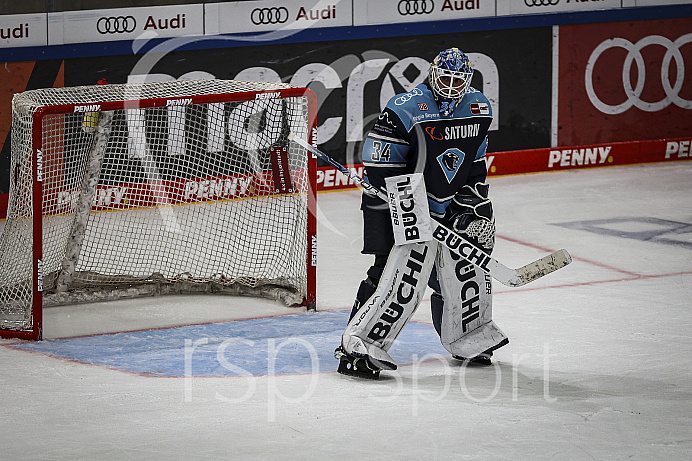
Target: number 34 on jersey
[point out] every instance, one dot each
(380, 151)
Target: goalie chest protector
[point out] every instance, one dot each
(413, 135)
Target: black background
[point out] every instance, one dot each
(523, 58)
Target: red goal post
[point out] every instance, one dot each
(157, 188)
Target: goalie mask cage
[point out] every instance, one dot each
(157, 188)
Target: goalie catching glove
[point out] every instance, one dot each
(471, 215)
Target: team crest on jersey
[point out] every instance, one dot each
(450, 161)
(422, 106)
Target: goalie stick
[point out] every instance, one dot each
(456, 243)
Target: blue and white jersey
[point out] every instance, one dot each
(413, 135)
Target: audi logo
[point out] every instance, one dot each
(634, 55)
(411, 7)
(271, 15)
(406, 97)
(116, 25)
(541, 2)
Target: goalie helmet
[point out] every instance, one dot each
(450, 74)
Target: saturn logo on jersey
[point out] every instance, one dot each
(449, 161)
(454, 132)
(433, 135)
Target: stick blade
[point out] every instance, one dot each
(543, 266)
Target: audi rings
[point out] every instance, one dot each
(116, 25)
(408, 96)
(411, 7)
(271, 15)
(541, 2)
(634, 55)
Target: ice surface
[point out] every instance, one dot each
(599, 365)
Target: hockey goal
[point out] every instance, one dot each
(157, 188)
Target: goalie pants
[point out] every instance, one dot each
(461, 304)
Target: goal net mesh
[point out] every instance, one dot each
(163, 195)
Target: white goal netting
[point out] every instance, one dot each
(156, 188)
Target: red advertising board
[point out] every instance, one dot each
(551, 159)
(330, 179)
(588, 156)
(625, 81)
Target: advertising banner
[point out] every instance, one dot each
(125, 24)
(368, 12)
(625, 81)
(588, 156)
(631, 3)
(509, 7)
(354, 79)
(17, 77)
(499, 163)
(279, 19)
(550, 159)
(260, 16)
(17, 30)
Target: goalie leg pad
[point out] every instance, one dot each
(369, 285)
(467, 328)
(372, 331)
(377, 358)
(476, 342)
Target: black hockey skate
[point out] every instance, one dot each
(481, 360)
(354, 366)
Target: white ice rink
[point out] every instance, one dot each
(599, 365)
